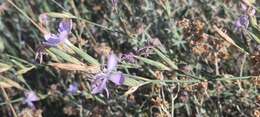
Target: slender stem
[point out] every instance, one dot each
(216, 63)
(241, 72)
(174, 98)
(242, 65)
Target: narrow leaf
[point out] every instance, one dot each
(227, 38)
(4, 67)
(84, 55)
(153, 63)
(64, 56)
(60, 15)
(8, 83)
(133, 89)
(76, 67)
(25, 70)
(131, 82)
(166, 59)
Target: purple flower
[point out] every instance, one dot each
(112, 62)
(114, 3)
(129, 57)
(99, 83)
(242, 22)
(54, 40)
(145, 51)
(30, 97)
(73, 88)
(64, 29)
(65, 26)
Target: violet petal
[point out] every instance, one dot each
(117, 78)
(63, 36)
(65, 25)
(112, 62)
(30, 104)
(114, 3)
(52, 40)
(99, 84)
(30, 97)
(242, 22)
(129, 57)
(73, 88)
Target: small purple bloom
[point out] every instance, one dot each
(129, 57)
(53, 40)
(64, 29)
(242, 22)
(73, 88)
(114, 3)
(117, 78)
(65, 26)
(99, 83)
(145, 51)
(112, 62)
(30, 97)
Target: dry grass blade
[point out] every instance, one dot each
(133, 89)
(223, 35)
(77, 67)
(227, 38)
(5, 85)
(8, 83)
(4, 67)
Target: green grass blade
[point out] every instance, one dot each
(64, 56)
(166, 59)
(84, 55)
(153, 63)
